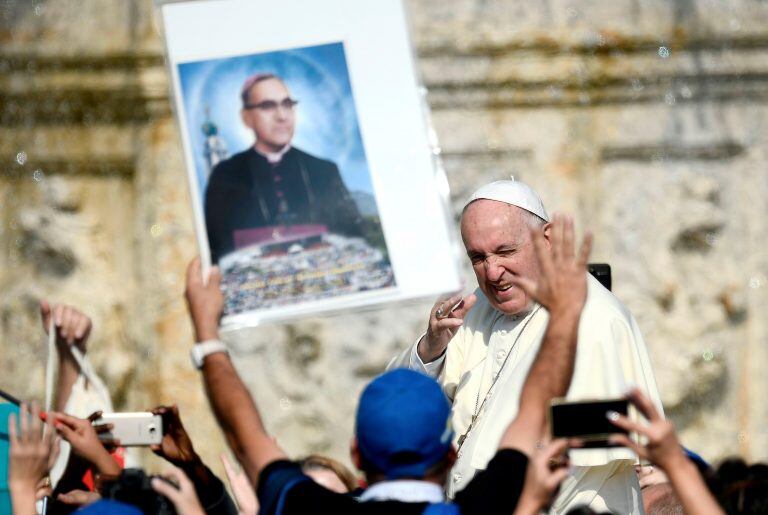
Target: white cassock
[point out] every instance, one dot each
(490, 356)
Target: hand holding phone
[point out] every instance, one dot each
(586, 420)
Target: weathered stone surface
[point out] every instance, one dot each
(645, 119)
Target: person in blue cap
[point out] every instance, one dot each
(403, 438)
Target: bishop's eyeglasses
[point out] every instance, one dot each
(270, 106)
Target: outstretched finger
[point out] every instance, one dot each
(166, 489)
(453, 299)
(172, 419)
(214, 276)
(66, 317)
(543, 254)
(448, 323)
(78, 497)
(643, 404)
(68, 421)
(623, 440)
(74, 322)
(528, 286)
(555, 448)
(103, 428)
(558, 476)
(24, 422)
(568, 247)
(194, 273)
(45, 314)
(447, 303)
(462, 310)
(13, 436)
(557, 237)
(229, 469)
(35, 422)
(65, 431)
(586, 249)
(55, 448)
(625, 423)
(58, 313)
(82, 328)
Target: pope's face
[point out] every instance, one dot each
(270, 114)
(499, 245)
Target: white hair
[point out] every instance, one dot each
(533, 220)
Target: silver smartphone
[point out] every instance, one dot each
(132, 429)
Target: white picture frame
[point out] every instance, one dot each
(351, 66)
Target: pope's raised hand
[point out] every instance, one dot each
(445, 318)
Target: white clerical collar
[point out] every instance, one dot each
(405, 490)
(273, 157)
(517, 317)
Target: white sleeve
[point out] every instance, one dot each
(410, 358)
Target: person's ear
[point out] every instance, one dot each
(547, 231)
(354, 453)
(245, 116)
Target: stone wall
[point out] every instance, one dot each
(645, 119)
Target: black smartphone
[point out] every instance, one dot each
(601, 272)
(586, 420)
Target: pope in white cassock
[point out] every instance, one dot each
(494, 336)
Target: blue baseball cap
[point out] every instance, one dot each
(403, 424)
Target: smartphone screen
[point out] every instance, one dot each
(586, 420)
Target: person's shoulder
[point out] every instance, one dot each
(603, 309)
(276, 481)
(235, 162)
(312, 160)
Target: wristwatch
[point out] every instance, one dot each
(203, 349)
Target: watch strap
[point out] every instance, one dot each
(203, 349)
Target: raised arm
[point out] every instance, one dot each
(665, 451)
(562, 290)
(72, 327)
(230, 400)
(31, 455)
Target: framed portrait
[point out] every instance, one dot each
(314, 182)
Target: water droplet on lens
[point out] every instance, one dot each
(757, 281)
(663, 52)
(21, 157)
